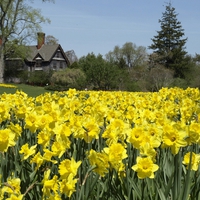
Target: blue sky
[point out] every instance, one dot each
(97, 26)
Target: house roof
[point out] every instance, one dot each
(46, 52)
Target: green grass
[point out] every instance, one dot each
(32, 91)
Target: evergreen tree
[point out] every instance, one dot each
(168, 45)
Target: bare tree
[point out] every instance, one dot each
(159, 77)
(51, 40)
(71, 56)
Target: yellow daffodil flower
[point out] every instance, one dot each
(116, 153)
(67, 185)
(195, 160)
(6, 139)
(174, 138)
(68, 167)
(26, 151)
(38, 160)
(12, 186)
(145, 167)
(99, 161)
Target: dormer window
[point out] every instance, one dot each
(38, 62)
(58, 54)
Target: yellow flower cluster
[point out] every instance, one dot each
(168, 119)
(7, 85)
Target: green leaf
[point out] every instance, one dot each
(160, 192)
(135, 187)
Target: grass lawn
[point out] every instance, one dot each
(32, 91)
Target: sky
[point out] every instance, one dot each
(97, 26)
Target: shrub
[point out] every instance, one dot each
(68, 78)
(40, 78)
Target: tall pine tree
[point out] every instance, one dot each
(168, 45)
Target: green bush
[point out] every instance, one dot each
(40, 78)
(68, 78)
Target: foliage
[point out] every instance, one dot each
(71, 57)
(13, 68)
(18, 23)
(129, 55)
(40, 78)
(67, 78)
(100, 145)
(51, 40)
(192, 73)
(159, 77)
(100, 74)
(168, 43)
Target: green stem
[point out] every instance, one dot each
(187, 181)
(142, 198)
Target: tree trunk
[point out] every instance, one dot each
(1, 64)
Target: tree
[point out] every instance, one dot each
(158, 77)
(168, 43)
(134, 55)
(18, 22)
(71, 56)
(100, 74)
(129, 55)
(51, 40)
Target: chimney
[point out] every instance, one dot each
(41, 39)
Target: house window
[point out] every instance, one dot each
(61, 65)
(54, 65)
(38, 63)
(58, 54)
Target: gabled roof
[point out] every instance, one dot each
(46, 52)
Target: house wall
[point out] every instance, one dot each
(58, 65)
(54, 65)
(58, 61)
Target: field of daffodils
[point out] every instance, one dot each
(86, 145)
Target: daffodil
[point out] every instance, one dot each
(44, 137)
(174, 137)
(67, 185)
(26, 151)
(50, 185)
(59, 148)
(15, 128)
(154, 135)
(44, 121)
(31, 121)
(68, 167)
(145, 167)
(48, 155)
(12, 186)
(147, 150)
(91, 129)
(193, 133)
(4, 111)
(116, 154)
(7, 139)
(38, 160)
(195, 160)
(71, 92)
(136, 137)
(99, 161)
(116, 130)
(15, 197)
